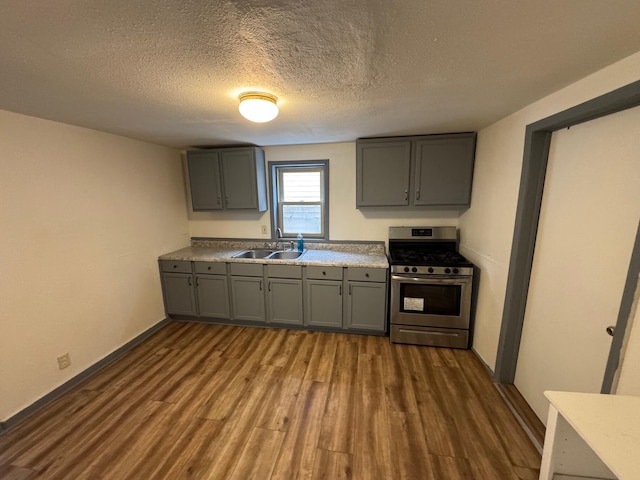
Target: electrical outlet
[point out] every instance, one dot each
(264, 230)
(64, 361)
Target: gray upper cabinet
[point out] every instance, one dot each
(204, 179)
(444, 169)
(227, 178)
(383, 173)
(428, 170)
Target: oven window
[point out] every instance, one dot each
(430, 299)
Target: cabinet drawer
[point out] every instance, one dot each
(214, 268)
(434, 337)
(363, 274)
(246, 269)
(180, 266)
(325, 273)
(284, 271)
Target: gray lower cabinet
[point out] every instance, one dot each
(323, 296)
(212, 287)
(366, 299)
(284, 294)
(178, 287)
(323, 303)
(227, 179)
(247, 292)
(366, 306)
(426, 170)
(285, 301)
(179, 295)
(351, 299)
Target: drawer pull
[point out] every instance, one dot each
(209, 267)
(324, 273)
(189, 281)
(366, 275)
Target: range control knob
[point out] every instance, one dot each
(447, 270)
(406, 269)
(414, 269)
(455, 270)
(430, 269)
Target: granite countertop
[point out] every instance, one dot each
(370, 255)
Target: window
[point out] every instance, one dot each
(299, 198)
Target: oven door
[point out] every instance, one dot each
(430, 301)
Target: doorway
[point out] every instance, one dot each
(537, 144)
(586, 230)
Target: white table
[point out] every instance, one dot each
(593, 436)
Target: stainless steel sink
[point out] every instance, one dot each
(255, 253)
(285, 255)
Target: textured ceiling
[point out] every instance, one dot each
(170, 71)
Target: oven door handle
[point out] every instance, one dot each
(425, 280)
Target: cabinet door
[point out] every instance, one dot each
(444, 170)
(204, 179)
(323, 303)
(367, 306)
(179, 295)
(382, 173)
(213, 296)
(240, 174)
(285, 301)
(247, 297)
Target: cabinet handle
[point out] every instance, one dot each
(219, 200)
(226, 200)
(197, 283)
(324, 273)
(189, 281)
(417, 194)
(260, 285)
(269, 286)
(366, 275)
(406, 194)
(340, 289)
(350, 288)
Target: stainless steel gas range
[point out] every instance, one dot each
(431, 287)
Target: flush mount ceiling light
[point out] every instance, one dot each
(258, 107)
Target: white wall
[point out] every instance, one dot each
(84, 216)
(487, 227)
(345, 221)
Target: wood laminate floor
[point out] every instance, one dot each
(203, 401)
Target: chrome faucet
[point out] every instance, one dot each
(278, 237)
